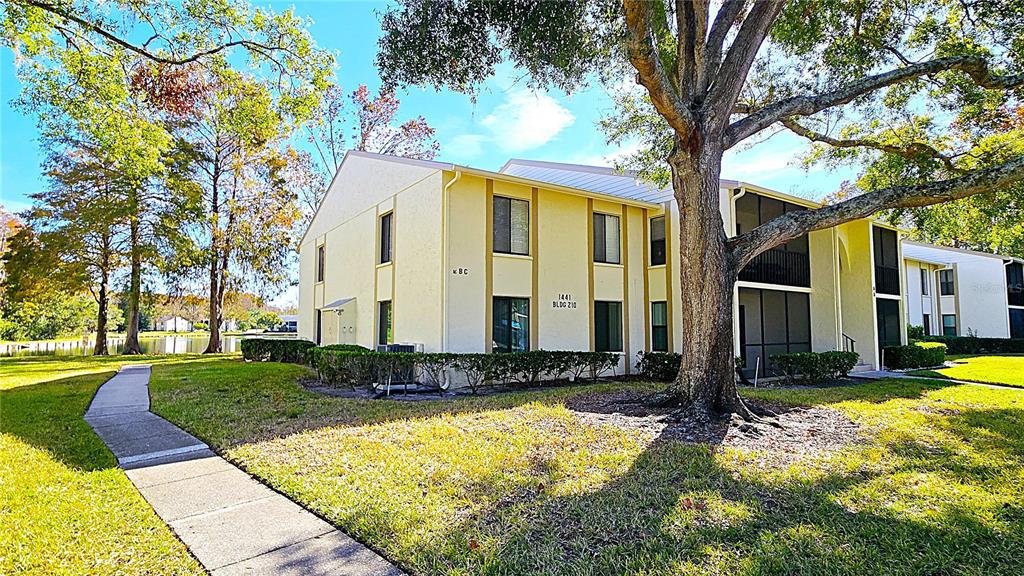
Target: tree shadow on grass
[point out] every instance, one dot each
(874, 391)
(48, 416)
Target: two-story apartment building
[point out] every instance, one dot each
(542, 255)
(955, 292)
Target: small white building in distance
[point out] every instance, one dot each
(955, 292)
(173, 324)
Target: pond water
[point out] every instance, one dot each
(163, 344)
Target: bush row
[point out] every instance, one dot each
(275, 349)
(361, 367)
(976, 345)
(814, 367)
(916, 355)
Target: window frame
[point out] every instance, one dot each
(386, 240)
(925, 281)
(953, 327)
(926, 323)
(658, 328)
(495, 229)
(508, 302)
(321, 261)
(610, 345)
(652, 242)
(947, 272)
(604, 229)
(385, 329)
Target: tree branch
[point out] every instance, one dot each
(912, 151)
(142, 51)
(734, 69)
(974, 66)
(724, 20)
(794, 224)
(643, 54)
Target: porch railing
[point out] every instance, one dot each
(778, 266)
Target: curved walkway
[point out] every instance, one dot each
(229, 521)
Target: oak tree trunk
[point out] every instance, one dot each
(706, 382)
(131, 337)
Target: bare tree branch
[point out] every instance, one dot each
(794, 224)
(643, 54)
(912, 151)
(262, 49)
(975, 67)
(724, 20)
(734, 69)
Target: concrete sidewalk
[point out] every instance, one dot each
(229, 521)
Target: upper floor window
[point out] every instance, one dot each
(511, 226)
(946, 282)
(320, 263)
(1015, 283)
(385, 237)
(606, 238)
(925, 277)
(658, 241)
(887, 260)
(788, 264)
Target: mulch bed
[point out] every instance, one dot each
(795, 433)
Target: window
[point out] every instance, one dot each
(658, 241)
(511, 329)
(887, 260)
(384, 322)
(385, 237)
(608, 326)
(1016, 322)
(949, 324)
(320, 263)
(945, 283)
(511, 226)
(659, 326)
(1015, 283)
(925, 277)
(319, 326)
(926, 321)
(606, 238)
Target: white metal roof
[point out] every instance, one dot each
(594, 178)
(943, 255)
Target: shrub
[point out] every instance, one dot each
(916, 355)
(660, 366)
(915, 332)
(275, 349)
(814, 367)
(976, 345)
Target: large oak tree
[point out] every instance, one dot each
(720, 73)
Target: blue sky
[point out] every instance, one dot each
(507, 120)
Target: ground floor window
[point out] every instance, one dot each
(949, 324)
(659, 326)
(511, 330)
(927, 323)
(319, 326)
(772, 322)
(384, 336)
(608, 326)
(1016, 322)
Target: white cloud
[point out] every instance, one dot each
(526, 120)
(608, 157)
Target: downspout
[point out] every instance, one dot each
(444, 260)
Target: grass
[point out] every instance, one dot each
(517, 484)
(65, 506)
(1006, 369)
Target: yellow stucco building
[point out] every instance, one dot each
(552, 256)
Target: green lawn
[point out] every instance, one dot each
(1006, 369)
(517, 484)
(65, 506)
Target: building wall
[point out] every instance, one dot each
(347, 224)
(982, 302)
(857, 285)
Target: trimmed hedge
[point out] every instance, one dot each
(360, 367)
(916, 355)
(814, 367)
(275, 349)
(976, 345)
(659, 366)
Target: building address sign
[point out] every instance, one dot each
(564, 301)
